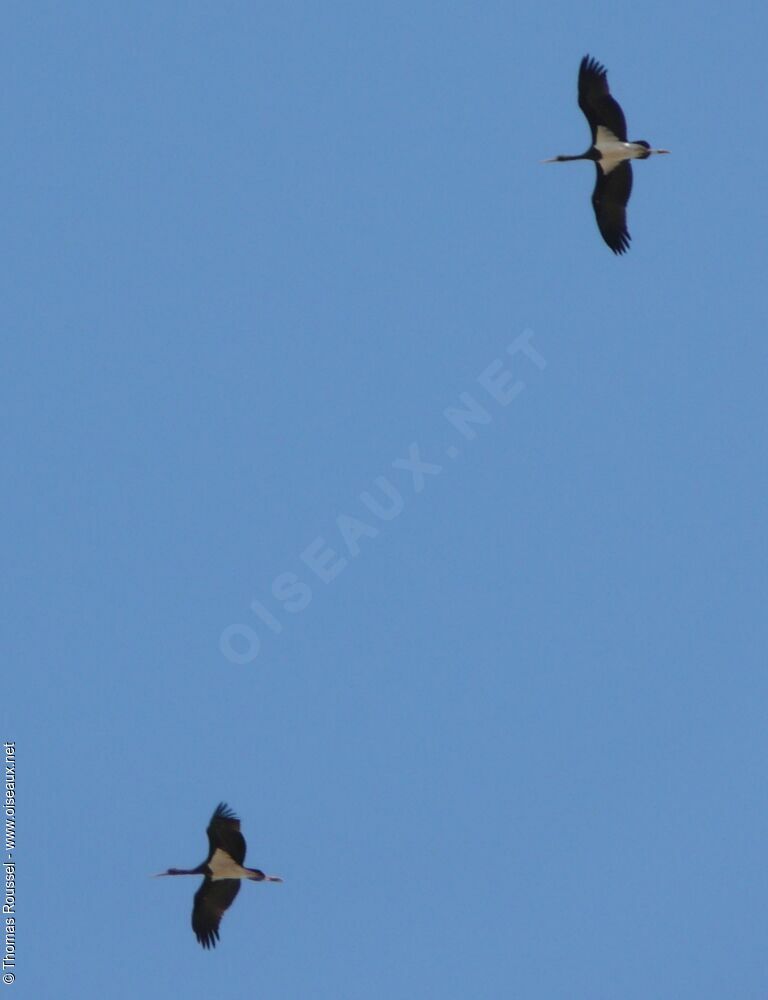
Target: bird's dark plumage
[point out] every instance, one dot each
(212, 900)
(611, 153)
(609, 200)
(596, 102)
(222, 873)
(224, 832)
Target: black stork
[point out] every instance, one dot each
(223, 870)
(611, 154)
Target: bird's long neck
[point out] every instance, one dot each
(589, 155)
(185, 871)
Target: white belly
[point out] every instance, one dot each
(222, 866)
(613, 151)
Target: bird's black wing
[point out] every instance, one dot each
(596, 102)
(212, 900)
(609, 200)
(224, 833)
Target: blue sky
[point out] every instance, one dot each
(516, 746)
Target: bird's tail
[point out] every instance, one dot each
(259, 876)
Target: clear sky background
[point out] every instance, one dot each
(517, 746)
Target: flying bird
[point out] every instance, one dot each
(223, 870)
(611, 154)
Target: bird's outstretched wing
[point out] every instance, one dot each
(224, 833)
(609, 200)
(596, 102)
(212, 900)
